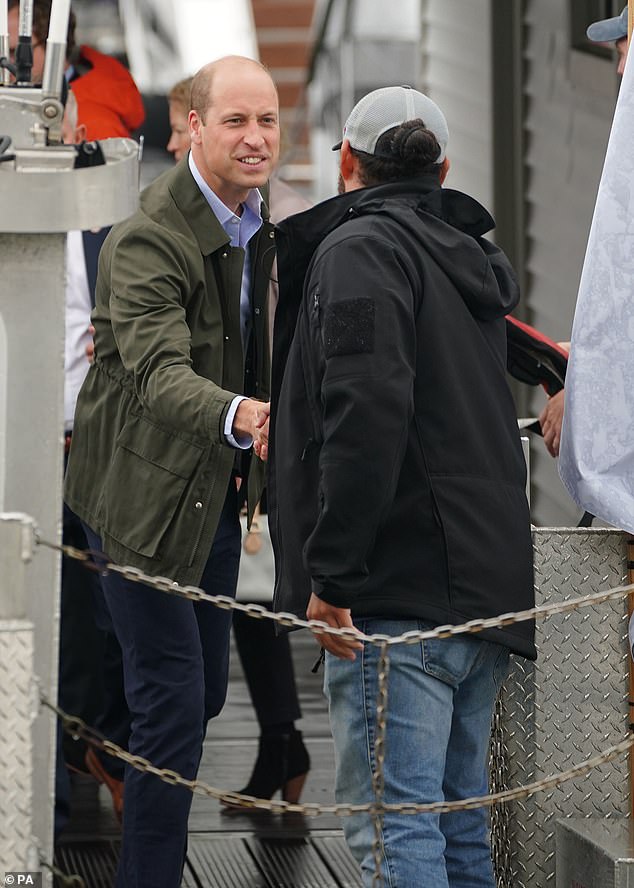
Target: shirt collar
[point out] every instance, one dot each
(220, 210)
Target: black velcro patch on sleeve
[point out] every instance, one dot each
(349, 327)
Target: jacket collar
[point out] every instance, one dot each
(189, 199)
(424, 194)
(299, 236)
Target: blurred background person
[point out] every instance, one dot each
(178, 100)
(282, 762)
(108, 101)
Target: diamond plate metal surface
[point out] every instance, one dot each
(16, 767)
(569, 705)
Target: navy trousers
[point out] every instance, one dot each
(175, 665)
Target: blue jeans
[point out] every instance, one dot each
(440, 704)
(175, 666)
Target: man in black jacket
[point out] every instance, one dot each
(397, 481)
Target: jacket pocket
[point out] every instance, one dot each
(145, 485)
(487, 531)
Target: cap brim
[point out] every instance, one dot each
(607, 31)
(337, 147)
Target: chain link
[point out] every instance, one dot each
(78, 728)
(499, 781)
(64, 880)
(378, 775)
(194, 593)
(378, 808)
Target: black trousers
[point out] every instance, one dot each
(268, 668)
(81, 641)
(90, 664)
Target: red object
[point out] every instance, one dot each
(108, 101)
(96, 768)
(534, 358)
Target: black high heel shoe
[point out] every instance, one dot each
(282, 766)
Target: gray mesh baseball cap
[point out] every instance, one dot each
(386, 108)
(609, 30)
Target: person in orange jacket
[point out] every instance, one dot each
(108, 101)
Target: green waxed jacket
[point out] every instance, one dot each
(149, 464)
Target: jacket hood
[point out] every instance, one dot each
(449, 224)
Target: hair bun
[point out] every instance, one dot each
(413, 140)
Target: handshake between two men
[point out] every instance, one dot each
(252, 420)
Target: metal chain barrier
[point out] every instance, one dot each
(498, 770)
(378, 808)
(378, 775)
(77, 728)
(65, 881)
(96, 561)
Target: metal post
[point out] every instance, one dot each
(4, 40)
(566, 707)
(42, 197)
(18, 848)
(33, 316)
(24, 48)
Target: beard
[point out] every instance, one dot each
(341, 185)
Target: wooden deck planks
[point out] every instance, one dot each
(236, 850)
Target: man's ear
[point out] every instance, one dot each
(347, 162)
(195, 123)
(80, 133)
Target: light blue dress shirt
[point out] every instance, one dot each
(240, 230)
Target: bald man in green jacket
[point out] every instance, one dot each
(162, 446)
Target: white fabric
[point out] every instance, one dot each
(597, 447)
(243, 442)
(78, 309)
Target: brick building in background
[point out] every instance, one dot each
(284, 34)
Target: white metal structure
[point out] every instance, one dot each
(18, 698)
(167, 40)
(365, 44)
(42, 196)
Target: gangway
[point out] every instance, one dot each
(565, 708)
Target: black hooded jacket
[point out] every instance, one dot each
(396, 475)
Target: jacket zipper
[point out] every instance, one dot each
(319, 661)
(311, 387)
(435, 508)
